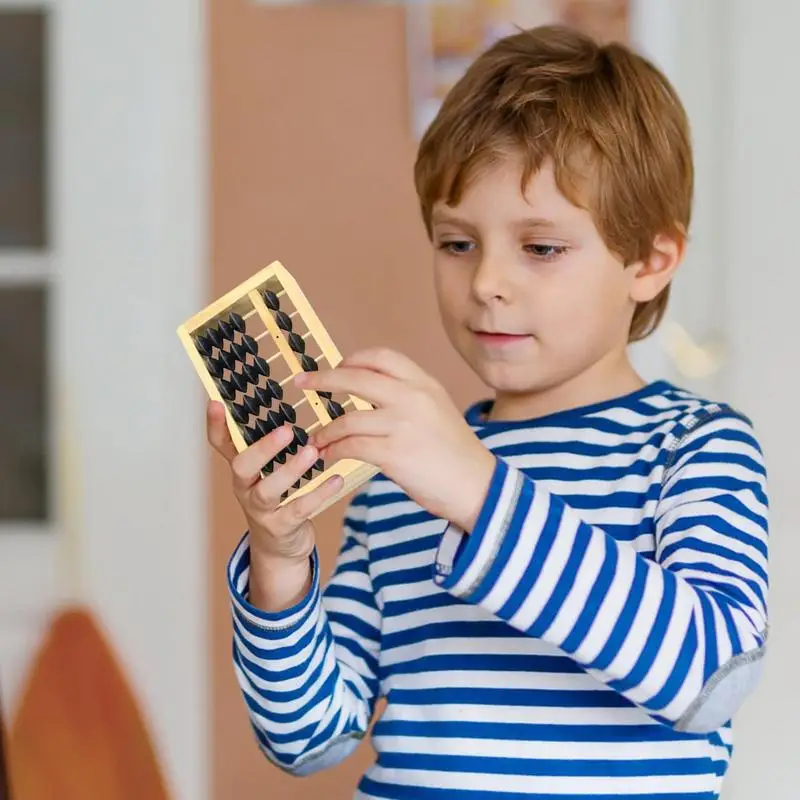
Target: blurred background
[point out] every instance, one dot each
(153, 155)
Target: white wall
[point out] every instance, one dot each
(130, 237)
(759, 202)
(683, 38)
(735, 63)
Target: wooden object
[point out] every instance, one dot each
(78, 731)
(5, 790)
(246, 347)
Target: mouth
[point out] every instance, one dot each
(499, 338)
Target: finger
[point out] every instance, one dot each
(301, 508)
(217, 433)
(266, 494)
(388, 362)
(374, 387)
(362, 423)
(247, 465)
(369, 449)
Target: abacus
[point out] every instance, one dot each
(228, 344)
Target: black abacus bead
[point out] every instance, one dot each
(319, 464)
(251, 404)
(261, 365)
(300, 439)
(334, 409)
(263, 426)
(228, 359)
(214, 367)
(236, 321)
(226, 389)
(309, 365)
(251, 435)
(251, 345)
(240, 413)
(271, 299)
(239, 350)
(283, 320)
(267, 468)
(203, 345)
(308, 474)
(297, 342)
(288, 412)
(263, 396)
(226, 329)
(239, 381)
(296, 484)
(281, 457)
(214, 337)
(251, 373)
(274, 389)
(274, 419)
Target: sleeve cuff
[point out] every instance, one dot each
(256, 620)
(466, 561)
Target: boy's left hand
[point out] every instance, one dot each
(415, 434)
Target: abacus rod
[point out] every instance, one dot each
(303, 336)
(318, 423)
(251, 313)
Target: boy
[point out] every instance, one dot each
(561, 593)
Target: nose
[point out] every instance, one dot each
(491, 279)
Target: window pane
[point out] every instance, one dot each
(23, 405)
(22, 129)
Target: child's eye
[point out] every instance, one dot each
(546, 251)
(455, 247)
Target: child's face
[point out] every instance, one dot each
(529, 293)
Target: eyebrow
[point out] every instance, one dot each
(525, 223)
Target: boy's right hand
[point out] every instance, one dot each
(281, 539)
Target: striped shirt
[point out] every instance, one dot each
(592, 637)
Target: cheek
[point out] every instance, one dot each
(450, 292)
(581, 305)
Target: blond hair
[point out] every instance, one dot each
(609, 120)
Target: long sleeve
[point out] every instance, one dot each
(680, 634)
(308, 675)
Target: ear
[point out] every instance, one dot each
(651, 276)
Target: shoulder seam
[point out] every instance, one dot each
(691, 420)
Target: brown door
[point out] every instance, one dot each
(311, 164)
(5, 791)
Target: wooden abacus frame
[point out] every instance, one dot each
(245, 300)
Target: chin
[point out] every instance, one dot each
(509, 378)
(529, 377)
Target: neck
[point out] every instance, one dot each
(612, 376)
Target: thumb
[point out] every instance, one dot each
(219, 437)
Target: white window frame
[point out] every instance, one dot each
(130, 552)
(30, 547)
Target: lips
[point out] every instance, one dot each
(500, 337)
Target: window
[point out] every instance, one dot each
(25, 460)
(22, 129)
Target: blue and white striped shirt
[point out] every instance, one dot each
(592, 637)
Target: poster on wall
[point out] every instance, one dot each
(445, 36)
